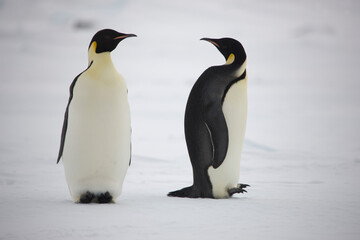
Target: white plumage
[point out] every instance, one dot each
(97, 147)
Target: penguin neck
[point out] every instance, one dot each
(102, 60)
(235, 64)
(230, 59)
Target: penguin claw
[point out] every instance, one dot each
(238, 189)
(105, 198)
(87, 197)
(241, 185)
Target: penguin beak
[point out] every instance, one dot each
(211, 41)
(125, 36)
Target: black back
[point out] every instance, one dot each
(206, 131)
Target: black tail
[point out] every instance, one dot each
(185, 192)
(190, 192)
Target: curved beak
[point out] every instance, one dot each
(125, 36)
(211, 41)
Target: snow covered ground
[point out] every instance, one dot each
(302, 150)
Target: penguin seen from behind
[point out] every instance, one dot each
(215, 122)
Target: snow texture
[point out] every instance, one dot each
(302, 146)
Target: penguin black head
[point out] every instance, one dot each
(107, 39)
(229, 48)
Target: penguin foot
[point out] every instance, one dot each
(238, 189)
(86, 197)
(104, 198)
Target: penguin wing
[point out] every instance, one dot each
(216, 125)
(130, 153)
(63, 133)
(64, 128)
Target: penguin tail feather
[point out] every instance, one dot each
(188, 192)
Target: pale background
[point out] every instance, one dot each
(302, 146)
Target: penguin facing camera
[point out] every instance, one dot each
(215, 122)
(95, 142)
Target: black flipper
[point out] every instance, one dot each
(130, 154)
(63, 133)
(64, 128)
(216, 125)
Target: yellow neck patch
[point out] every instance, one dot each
(94, 45)
(230, 59)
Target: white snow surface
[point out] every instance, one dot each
(302, 147)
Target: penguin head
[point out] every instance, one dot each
(106, 40)
(230, 48)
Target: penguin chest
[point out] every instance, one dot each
(97, 145)
(235, 111)
(99, 114)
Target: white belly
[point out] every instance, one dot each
(235, 110)
(97, 145)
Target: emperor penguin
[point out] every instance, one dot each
(215, 122)
(95, 141)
